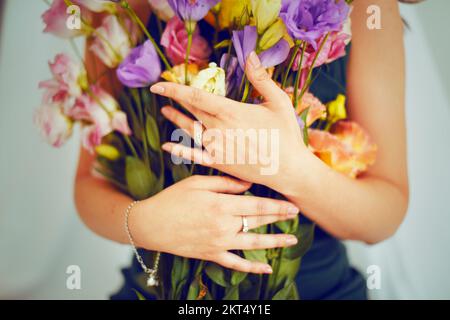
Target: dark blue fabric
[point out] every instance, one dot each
(325, 272)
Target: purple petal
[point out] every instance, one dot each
(275, 55)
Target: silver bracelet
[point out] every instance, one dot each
(152, 280)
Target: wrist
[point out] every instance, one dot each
(136, 224)
(297, 174)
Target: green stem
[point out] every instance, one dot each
(130, 11)
(188, 54)
(308, 78)
(130, 145)
(297, 77)
(291, 63)
(246, 91)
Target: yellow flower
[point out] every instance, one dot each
(211, 79)
(272, 35)
(177, 73)
(266, 13)
(336, 110)
(107, 151)
(234, 13)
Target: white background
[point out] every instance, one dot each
(41, 234)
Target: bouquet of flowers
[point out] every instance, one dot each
(203, 44)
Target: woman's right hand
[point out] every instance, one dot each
(201, 217)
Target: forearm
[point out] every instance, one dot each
(102, 207)
(368, 209)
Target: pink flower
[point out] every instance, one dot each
(101, 111)
(119, 122)
(67, 83)
(317, 109)
(54, 126)
(113, 44)
(175, 40)
(332, 50)
(56, 18)
(91, 137)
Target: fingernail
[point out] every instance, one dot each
(165, 110)
(291, 241)
(254, 60)
(157, 89)
(293, 211)
(268, 269)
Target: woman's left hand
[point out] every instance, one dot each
(270, 130)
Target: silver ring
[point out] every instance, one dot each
(244, 224)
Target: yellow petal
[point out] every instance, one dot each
(272, 35)
(266, 13)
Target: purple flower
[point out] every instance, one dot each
(233, 72)
(192, 10)
(141, 67)
(309, 20)
(244, 42)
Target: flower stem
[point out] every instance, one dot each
(308, 78)
(188, 54)
(291, 63)
(298, 75)
(130, 11)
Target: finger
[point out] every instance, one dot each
(254, 241)
(258, 206)
(219, 184)
(196, 155)
(179, 119)
(205, 101)
(259, 221)
(262, 82)
(233, 261)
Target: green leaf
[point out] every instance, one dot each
(288, 269)
(304, 116)
(217, 274)
(180, 273)
(139, 295)
(289, 292)
(256, 255)
(305, 235)
(232, 293)
(152, 131)
(141, 181)
(222, 44)
(237, 277)
(180, 172)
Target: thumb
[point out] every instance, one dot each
(261, 81)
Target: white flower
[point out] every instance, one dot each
(55, 127)
(211, 79)
(111, 43)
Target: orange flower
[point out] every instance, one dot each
(317, 109)
(346, 149)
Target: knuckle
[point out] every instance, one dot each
(195, 96)
(260, 207)
(261, 74)
(256, 241)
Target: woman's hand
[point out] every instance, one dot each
(270, 130)
(201, 217)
